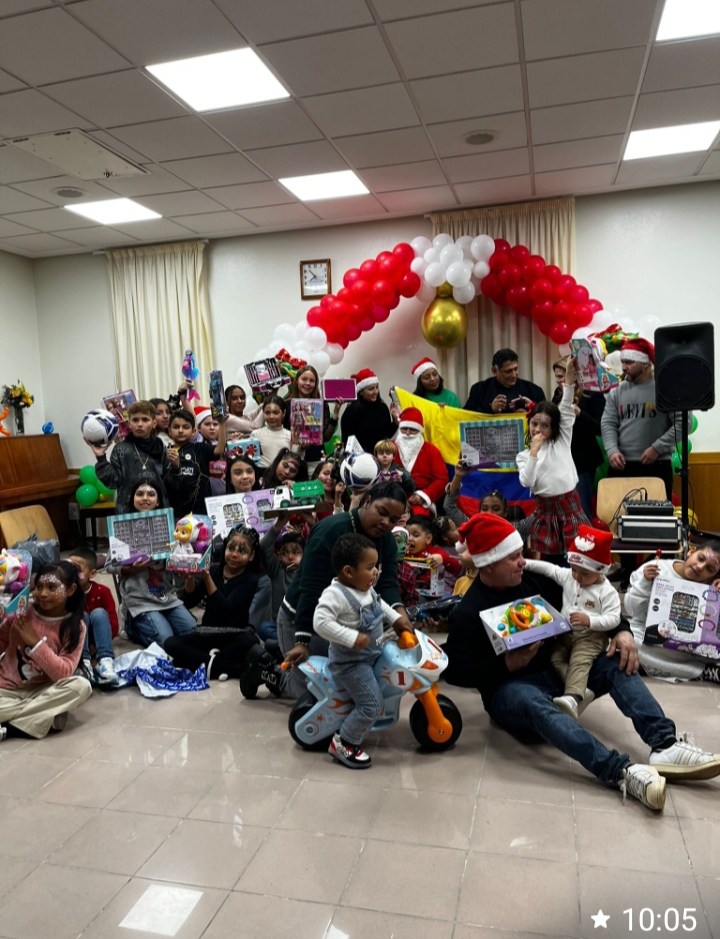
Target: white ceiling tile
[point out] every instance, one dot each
(174, 139)
(353, 207)
(582, 179)
(584, 77)
(265, 125)
(191, 202)
(655, 169)
(478, 38)
(683, 64)
(17, 165)
(11, 7)
(299, 159)
(7, 229)
(280, 215)
(404, 176)
(415, 201)
(494, 191)
(354, 58)
(214, 223)
(50, 219)
(568, 27)
(471, 94)
(127, 97)
(573, 121)
(155, 180)
(39, 242)
(405, 9)
(493, 165)
(360, 112)
(223, 170)
(712, 165)
(99, 237)
(29, 112)
(43, 189)
(61, 48)
(449, 138)
(119, 147)
(259, 22)
(13, 201)
(250, 195)
(152, 31)
(385, 147)
(8, 83)
(155, 228)
(685, 106)
(589, 152)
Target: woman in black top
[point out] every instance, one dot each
(306, 384)
(368, 418)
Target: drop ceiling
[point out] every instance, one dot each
(388, 88)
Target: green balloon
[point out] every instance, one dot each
(87, 495)
(678, 448)
(693, 425)
(87, 475)
(676, 462)
(102, 488)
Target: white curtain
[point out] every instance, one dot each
(546, 228)
(160, 308)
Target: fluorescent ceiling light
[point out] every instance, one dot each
(113, 211)
(683, 19)
(221, 80)
(325, 186)
(663, 141)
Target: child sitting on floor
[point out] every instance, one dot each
(422, 535)
(281, 556)
(386, 453)
(100, 617)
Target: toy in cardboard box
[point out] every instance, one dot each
(193, 538)
(141, 536)
(15, 572)
(592, 372)
(684, 616)
(306, 423)
(240, 508)
(265, 376)
(190, 373)
(492, 443)
(428, 581)
(522, 623)
(249, 447)
(218, 407)
(297, 497)
(118, 405)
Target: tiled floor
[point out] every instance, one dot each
(207, 793)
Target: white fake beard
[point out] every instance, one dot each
(409, 447)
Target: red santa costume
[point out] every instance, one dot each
(421, 459)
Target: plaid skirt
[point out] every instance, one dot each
(556, 522)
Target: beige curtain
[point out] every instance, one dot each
(546, 228)
(160, 308)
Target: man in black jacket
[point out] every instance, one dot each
(517, 687)
(504, 392)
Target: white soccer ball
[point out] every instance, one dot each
(359, 471)
(99, 427)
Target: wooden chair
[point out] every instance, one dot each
(19, 524)
(611, 493)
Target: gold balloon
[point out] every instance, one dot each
(445, 290)
(444, 323)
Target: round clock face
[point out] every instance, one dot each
(315, 278)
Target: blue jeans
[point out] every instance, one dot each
(158, 626)
(97, 622)
(526, 705)
(358, 679)
(584, 491)
(267, 630)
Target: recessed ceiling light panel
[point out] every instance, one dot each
(480, 138)
(113, 211)
(220, 80)
(685, 19)
(325, 186)
(664, 141)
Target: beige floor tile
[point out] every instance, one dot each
(137, 745)
(116, 842)
(633, 841)
(23, 774)
(253, 800)
(332, 808)
(710, 893)
(246, 718)
(33, 830)
(524, 829)
(590, 793)
(75, 741)
(702, 839)
(463, 931)
(56, 901)
(182, 711)
(159, 790)
(423, 882)
(88, 783)
(384, 766)
(696, 799)
(537, 779)
(277, 726)
(548, 889)
(276, 756)
(270, 918)
(302, 865)
(458, 770)
(12, 871)
(198, 750)
(357, 924)
(436, 818)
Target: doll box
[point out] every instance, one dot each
(15, 594)
(141, 533)
(683, 616)
(190, 563)
(429, 583)
(500, 621)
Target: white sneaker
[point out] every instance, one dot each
(568, 705)
(105, 671)
(586, 701)
(645, 784)
(3, 732)
(683, 761)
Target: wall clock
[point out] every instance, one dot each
(315, 279)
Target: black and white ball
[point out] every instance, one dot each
(99, 427)
(359, 471)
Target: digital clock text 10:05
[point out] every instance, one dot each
(670, 920)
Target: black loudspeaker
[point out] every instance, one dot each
(685, 367)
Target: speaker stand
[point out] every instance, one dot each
(685, 481)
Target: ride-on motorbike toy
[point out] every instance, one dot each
(412, 665)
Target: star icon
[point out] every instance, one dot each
(600, 919)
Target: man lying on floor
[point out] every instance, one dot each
(518, 687)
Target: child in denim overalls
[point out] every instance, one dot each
(351, 616)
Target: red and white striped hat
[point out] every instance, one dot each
(638, 350)
(489, 538)
(202, 413)
(412, 419)
(364, 378)
(424, 365)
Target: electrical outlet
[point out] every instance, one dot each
(74, 511)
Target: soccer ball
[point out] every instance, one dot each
(359, 471)
(99, 427)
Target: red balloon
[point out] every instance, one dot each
(360, 289)
(564, 286)
(383, 255)
(394, 302)
(533, 268)
(382, 292)
(541, 290)
(563, 311)
(345, 295)
(509, 275)
(334, 330)
(355, 312)
(351, 276)
(391, 268)
(353, 331)
(518, 296)
(367, 324)
(578, 294)
(380, 313)
(552, 272)
(339, 309)
(502, 245)
(525, 309)
(499, 260)
(344, 342)
(519, 254)
(314, 316)
(582, 315)
(369, 269)
(545, 327)
(561, 333)
(326, 301)
(410, 284)
(501, 298)
(542, 310)
(490, 285)
(405, 252)
(595, 306)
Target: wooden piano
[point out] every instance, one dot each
(33, 471)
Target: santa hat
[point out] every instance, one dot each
(202, 413)
(638, 350)
(424, 365)
(413, 419)
(489, 538)
(364, 378)
(590, 549)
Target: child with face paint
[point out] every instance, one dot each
(40, 649)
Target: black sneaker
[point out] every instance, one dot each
(711, 673)
(260, 665)
(273, 678)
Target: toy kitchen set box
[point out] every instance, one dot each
(522, 623)
(684, 616)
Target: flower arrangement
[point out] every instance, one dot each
(17, 396)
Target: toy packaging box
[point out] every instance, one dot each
(492, 443)
(592, 375)
(265, 376)
(218, 407)
(15, 573)
(429, 582)
(306, 421)
(191, 553)
(684, 616)
(240, 508)
(334, 388)
(522, 623)
(146, 534)
(249, 447)
(118, 405)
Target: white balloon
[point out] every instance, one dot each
(301, 349)
(582, 332)
(418, 265)
(275, 346)
(458, 274)
(335, 352)
(481, 269)
(451, 253)
(420, 245)
(613, 362)
(241, 374)
(319, 360)
(464, 294)
(301, 327)
(439, 241)
(432, 255)
(629, 324)
(601, 320)
(648, 325)
(465, 242)
(315, 338)
(482, 248)
(426, 293)
(435, 274)
(564, 349)
(260, 355)
(285, 333)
